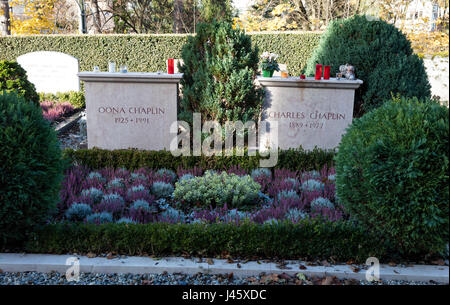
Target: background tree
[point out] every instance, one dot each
(219, 69)
(5, 25)
(219, 10)
(38, 17)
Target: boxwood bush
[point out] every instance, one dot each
(31, 168)
(292, 159)
(392, 174)
(382, 57)
(13, 78)
(338, 240)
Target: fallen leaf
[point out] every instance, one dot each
(328, 280)
(238, 265)
(91, 255)
(395, 271)
(325, 263)
(230, 276)
(1, 271)
(302, 267)
(285, 276)
(392, 264)
(210, 261)
(439, 262)
(355, 269)
(283, 267)
(301, 276)
(110, 256)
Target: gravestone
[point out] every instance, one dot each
(306, 112)
(130, 110)
(51, 72)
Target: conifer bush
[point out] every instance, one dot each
(14, 78)
(220, 65)
(382, 57)
(392, 174)
(31, 168)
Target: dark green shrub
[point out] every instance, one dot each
(219, 69)
(75, 98)
(382, 57)
(339, 240)
(14, 78)
(392, 174)
(292, 159)
(30, 167)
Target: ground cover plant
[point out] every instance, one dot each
(194, 196)
(54, 112)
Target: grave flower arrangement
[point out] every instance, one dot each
(269, 64)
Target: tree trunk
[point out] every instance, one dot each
(96, 18)
(177, 16)
(5, 22)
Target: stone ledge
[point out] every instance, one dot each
(11, 262)
(130, 77)
(66, 124)
(309, 82)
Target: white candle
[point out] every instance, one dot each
(112, 66)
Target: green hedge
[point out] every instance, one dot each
(293, 159)
(149, 52)
(311, 240)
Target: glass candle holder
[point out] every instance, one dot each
(112, 67)
(303, 76)
(170, 66)
(96, 69)
(123, 69)
(318, 75)
(284, 74)
(326, 72)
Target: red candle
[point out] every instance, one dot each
(318, 72)
(170, 66)
(326, 72)
(302, 76)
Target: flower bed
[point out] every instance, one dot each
(193, 196)
(54, 112)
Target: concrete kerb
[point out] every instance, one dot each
(12, 262)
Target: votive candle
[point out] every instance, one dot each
(302, 76)
(318, 72)
(326, 72)
(170, 66)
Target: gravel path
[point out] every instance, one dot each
(55, 278)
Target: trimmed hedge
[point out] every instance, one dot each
(292, 159)
(149, 52)
(339, 240)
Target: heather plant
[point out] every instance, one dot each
(393, 178)
(295, 184)
(96, 176)
(312, 185)
(78, 211)
(137, 189)
(31, 168)
(112, 203)
(172, 215)
(288, 194)
(167, 173)
(116, 183)
(53, 112)
(295, 215)
(311, 175)
(99, 218)
(272, 222)
(257, 173)
(138, 177)
(13, 78)
(186, 177)
(126, 220)
(142, 211)
(331, 177)
(162, 189)
(217, 190)
(93, 194)
(321, 202)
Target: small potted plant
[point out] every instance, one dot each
(269, 64)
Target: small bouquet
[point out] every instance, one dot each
(269, 63)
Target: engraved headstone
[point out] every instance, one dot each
(306, 112)
(51, 72)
